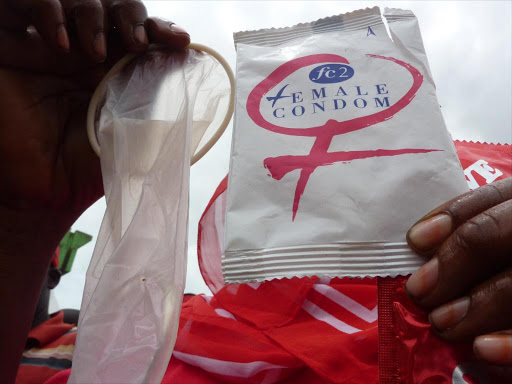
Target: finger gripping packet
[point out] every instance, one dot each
(339, 147)
(406, 340)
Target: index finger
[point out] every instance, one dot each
(477, 250)
(431, 230)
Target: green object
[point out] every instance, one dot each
(68, 247)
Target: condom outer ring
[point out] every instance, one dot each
(100, 90)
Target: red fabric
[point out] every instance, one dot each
(181, 373)
(337, 342)
(177, 373)
(60, 378)
(187, 297)
(49, 331)
(55, 258)
(250, 332)
(265, 305)
(54, 342)
(210, 236)
(274, 311)
(304, 331)
(406, 343)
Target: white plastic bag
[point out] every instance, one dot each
(154, 115)
(339, 146)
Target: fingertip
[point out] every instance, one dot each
(167, 33)
(139, 35)
(99, 46)
(495, 349)
(449, 315)
(63, 38)
(135, 40)
(426, 235)
(179, 31)
(129, 17)
(50, 22)
(88, 20)
(423, 281)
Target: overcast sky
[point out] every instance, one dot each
(468, 45)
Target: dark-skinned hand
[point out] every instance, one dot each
(53, 53)
(467, 284)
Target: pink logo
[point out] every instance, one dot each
(319, 155)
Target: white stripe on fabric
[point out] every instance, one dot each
(346, 302)
(324, 280)
(223, 313)
(254, 286)
(227, 368)
(319, 314)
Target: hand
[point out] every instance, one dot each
(53, 53)
(468, 281)
(47, 77)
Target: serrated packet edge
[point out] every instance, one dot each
(343, 259)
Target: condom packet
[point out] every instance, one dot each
(408, 350)
(339, 146)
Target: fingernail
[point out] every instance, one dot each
(423, 280)
(62, 37)
(449, 315)
(99, 45)
(139, 34)
(177, 29)
(496, 349)
(429, 233)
